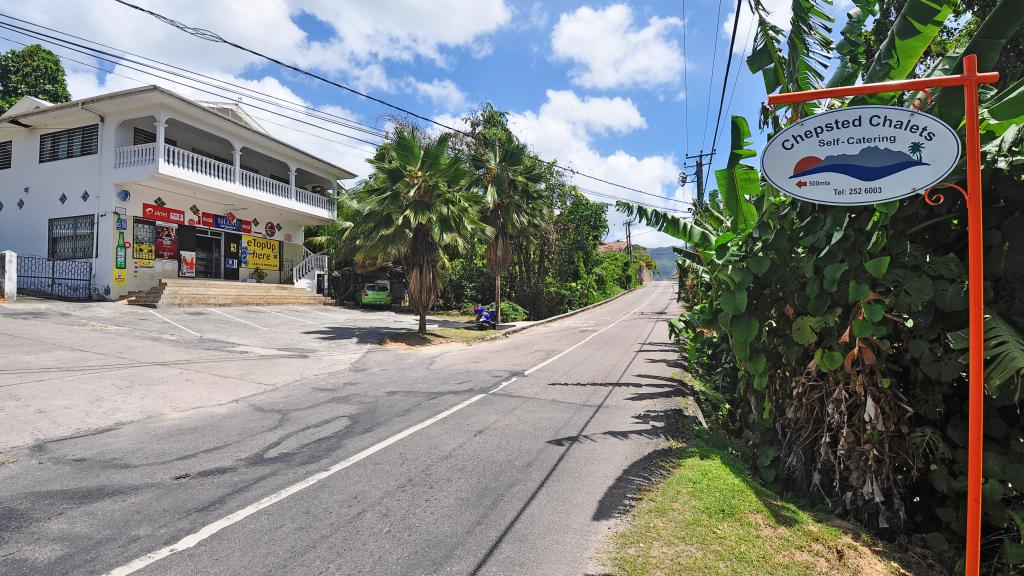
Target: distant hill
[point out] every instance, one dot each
(666, 260)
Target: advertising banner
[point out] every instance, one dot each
(163, 214)
(259, 253)
(166, 242)
(188, 264)
(222, 222)
(144, 240)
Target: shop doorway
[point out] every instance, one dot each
(209, 254)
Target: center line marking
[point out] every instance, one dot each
(210, 529)
(284, 315)
(234, 318)
(166, 319)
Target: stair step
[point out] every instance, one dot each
(187, 292)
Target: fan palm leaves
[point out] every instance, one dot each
(510, 181)
(415, 203)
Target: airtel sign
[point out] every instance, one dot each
(154, 212)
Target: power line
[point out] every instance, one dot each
(736, 79)
(222, 84)
(686, 90)
(217, 94)
(711, 81)
(214, 37)
(725, 78)
(101, 56)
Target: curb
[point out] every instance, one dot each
(516, 330)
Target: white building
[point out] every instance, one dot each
(145, 184)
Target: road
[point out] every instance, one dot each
(514, 456)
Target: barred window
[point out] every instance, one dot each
(71, 238)
(5, 155)
(71, 143)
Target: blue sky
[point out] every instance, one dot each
(597, 86)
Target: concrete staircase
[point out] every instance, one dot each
(182, 292)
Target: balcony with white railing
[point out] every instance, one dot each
(216, 174)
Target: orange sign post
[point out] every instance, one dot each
(970, 79)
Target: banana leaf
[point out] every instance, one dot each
(737, 181)
(668, 223)
(914, 29)
(851, 46)
(987, 43)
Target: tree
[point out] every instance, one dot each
(916, 149)
(31, 71)
(414, 203)
(330, 238)
(510, 181)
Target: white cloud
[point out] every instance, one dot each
(444, 94)
(609, 51)
(402, 30)
(565, 128)
(366, 35)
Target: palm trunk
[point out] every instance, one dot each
(423, 324)
(497, 296)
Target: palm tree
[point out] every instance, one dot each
(329, 238)
(916, 148)
(415, 202)
(510, 181)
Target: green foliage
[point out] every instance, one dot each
(31, 71)
(834, 334)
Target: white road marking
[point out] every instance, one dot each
(284, 315)
(210, 529)
(166, 319)
(235, 318)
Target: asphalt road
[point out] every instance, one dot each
(509, 457)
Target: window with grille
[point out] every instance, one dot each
(140, 136)
(71, 143)
(5, 155)
(71, 238)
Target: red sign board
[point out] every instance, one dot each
(220, 222)
(163, 214)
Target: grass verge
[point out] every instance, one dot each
(709, 517)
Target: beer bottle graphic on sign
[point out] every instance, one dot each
(120, 253)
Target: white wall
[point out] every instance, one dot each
(25, 230)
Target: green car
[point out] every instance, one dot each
(375, 294)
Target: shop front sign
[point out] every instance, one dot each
(228, 222)
(861, 155)
(163, 214)
(259, 253)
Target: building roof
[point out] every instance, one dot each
(29, 107)
(616, 246)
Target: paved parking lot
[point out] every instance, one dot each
(66, 367)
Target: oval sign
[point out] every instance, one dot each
(861, 155)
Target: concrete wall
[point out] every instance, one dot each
(8, 276)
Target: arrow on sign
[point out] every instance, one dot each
(800, 184)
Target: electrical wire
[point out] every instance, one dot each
(214, 37)
(686, 90)
(103, 56)
(725, 79)
(711, 83)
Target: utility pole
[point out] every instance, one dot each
(629, 247)
(699, 166)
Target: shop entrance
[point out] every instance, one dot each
(209, 254)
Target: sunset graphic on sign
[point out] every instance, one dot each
(867, 165)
